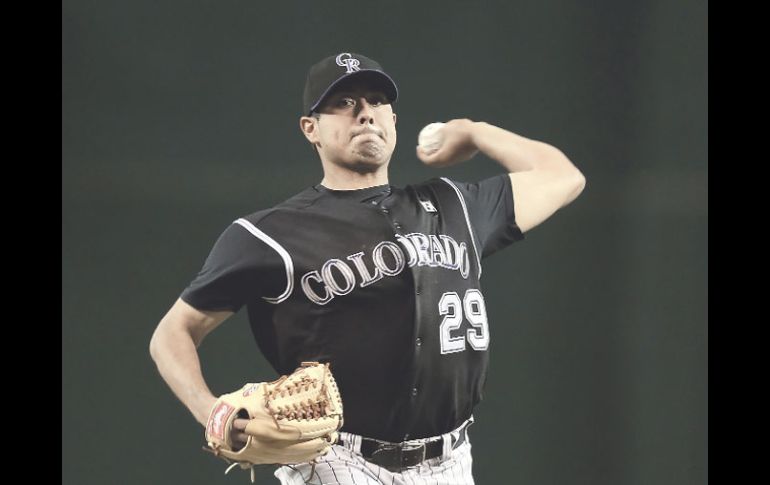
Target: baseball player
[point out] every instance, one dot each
(380, 282)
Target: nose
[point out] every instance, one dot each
(365, 113)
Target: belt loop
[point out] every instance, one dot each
(351, 441)
(356, 444)
(451, 438)
(447, 450)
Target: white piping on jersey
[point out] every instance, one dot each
(287, 262)
(467, 221)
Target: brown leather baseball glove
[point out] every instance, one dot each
(291, 420)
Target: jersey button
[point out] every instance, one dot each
(414, 391)
(385, 211)
(397, 225)
(418, 341)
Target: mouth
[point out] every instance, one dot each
(368, 132)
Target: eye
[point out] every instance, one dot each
(346, 102)
(377, 100)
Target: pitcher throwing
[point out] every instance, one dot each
(382, 283)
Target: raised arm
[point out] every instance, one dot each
(173, 347)
(542, 177)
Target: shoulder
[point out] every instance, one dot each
(430, 183)
(441, 188)
(457, 186)
(476, 198)
(301, 201)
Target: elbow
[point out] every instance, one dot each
(569, 172)
(580, 182)
(154, 346)
(574, 184)
(576, 179)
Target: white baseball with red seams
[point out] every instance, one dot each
(431, 137)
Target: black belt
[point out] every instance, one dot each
(398, 456)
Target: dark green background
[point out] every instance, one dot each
(179, 116)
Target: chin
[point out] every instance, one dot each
(370, 156)
(363, 165)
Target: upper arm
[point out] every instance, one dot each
(184, 318)
(490, 209)
(240, 268)
(539, 193)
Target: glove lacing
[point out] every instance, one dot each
(244, 465)
(307, 410)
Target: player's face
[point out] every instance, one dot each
(356, 128)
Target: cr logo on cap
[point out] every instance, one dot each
(350, 62)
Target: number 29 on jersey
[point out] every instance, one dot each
(471, 306)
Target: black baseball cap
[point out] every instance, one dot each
(329, 72)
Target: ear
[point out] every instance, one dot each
(394, 118)
(309, 127)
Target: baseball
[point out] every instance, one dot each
(431, 137)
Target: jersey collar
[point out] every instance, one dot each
(368, 194)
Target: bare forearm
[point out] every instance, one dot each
(515, 152)
(176, 357)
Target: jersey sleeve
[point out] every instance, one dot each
(239, 269)
(490, 210)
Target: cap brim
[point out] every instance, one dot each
(379, 77)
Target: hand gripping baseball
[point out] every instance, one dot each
(456, 145)
(291, 420)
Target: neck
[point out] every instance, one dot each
(351, 180)
(361, 182)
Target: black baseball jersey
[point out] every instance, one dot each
(381, 282)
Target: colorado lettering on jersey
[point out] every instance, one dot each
(338, 277)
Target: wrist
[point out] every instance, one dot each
(204, 410)
(477, 129)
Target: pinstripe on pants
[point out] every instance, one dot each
(344, 465)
